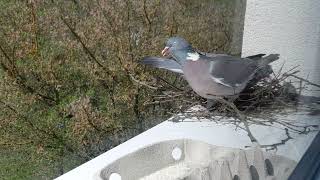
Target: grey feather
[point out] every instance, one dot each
(268, 59)
(256, 57)
(163, 63)
(232, 70)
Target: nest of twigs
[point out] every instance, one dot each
(265, 94)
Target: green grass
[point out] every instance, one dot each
(16, 164)
(58, 60)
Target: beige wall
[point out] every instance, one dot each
(288, 27)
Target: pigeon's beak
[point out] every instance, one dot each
(165, 51)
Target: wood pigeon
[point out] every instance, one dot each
(209, 75)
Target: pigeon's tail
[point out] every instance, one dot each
(267, 60)
(256, 57)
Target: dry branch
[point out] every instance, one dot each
(142, 83)
(302, 79)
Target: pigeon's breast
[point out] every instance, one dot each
(197, 73)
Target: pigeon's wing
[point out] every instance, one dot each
(163, 63)
(231, 71)
(211, 55)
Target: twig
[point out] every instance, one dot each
(275, 145)
(279, 72)
(295, 67)
(88, 118)
(142, 82)
(16, 143)
(159, 102)
(302, 79)
(146, 14)
(171, 85)
(86, 49)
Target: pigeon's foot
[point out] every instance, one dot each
(240, 115)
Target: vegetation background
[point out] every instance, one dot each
(71, 87)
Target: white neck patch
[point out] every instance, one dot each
(193, 56)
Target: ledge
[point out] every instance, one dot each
(219, 132)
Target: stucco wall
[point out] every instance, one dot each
(288, 27)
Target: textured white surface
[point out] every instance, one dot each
(220, 133)
(176, 153)
(115, 176)
(288, 27)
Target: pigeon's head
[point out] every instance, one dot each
(175, 44)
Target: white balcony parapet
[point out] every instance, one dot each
(220, 132)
